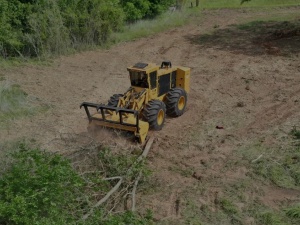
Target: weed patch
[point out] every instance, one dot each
(228, 206)
(14, 103)
(280, 174)
(295, 133)
(278, 165)
(146, 28)
(11, 97)
(266, 218)
(293, 212)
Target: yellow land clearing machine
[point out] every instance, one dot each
(154, 92)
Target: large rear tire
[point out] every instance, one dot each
(154, 113)
(176, 100)
(114, 100)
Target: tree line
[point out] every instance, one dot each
(35, 28)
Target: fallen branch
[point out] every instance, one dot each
(113, 190)
(134, 191)
(254, 160)
(141, 157)
(116, 187)
(146, 150)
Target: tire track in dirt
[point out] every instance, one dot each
(275, 115)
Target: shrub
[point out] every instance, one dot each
(46, 32)
(141, 9)
(39, 188)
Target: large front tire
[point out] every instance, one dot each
(114, 100)
(176, 100)
(154, 113)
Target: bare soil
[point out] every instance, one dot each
(246, 81)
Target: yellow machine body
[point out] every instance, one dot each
(148, 82)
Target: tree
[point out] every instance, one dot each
(140, 9)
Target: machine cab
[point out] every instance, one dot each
(139, 79)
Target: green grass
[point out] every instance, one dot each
(15, 103)
(18, 62)
(225, 213)
(293, 211)
(146, 28)
(212, 4)
(278, 166)
(228, 206)
(269, 218)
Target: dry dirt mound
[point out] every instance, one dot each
(236, 84)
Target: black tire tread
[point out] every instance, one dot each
(150, 113)
(172, 98)
(114, 100)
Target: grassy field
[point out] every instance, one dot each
(15, 103)
(212, 4)
(12, 102)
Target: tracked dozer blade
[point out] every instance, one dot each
(117, 118)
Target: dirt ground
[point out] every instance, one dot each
(246, 82)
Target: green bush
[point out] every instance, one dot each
(12, 23)
(47, 34)
(283, 174)
(142, 9)
(91, 21)
(37, 28)
(47, 27)
(38, 187)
